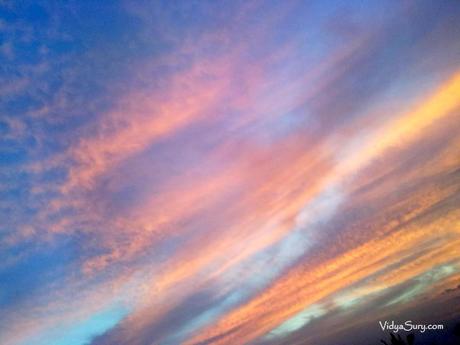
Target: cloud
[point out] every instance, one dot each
(242, 172)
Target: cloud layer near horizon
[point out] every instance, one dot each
(233, 173)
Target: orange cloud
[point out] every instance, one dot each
(307, 284)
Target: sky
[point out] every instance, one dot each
(227, 172)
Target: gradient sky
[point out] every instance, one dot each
(225, 173)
